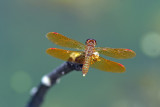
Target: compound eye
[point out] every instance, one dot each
(87, 41)
(91, 40)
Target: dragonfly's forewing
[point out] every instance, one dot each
(108, 66)
(64, 41)
(118, 53)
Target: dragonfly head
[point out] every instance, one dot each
(91, 42)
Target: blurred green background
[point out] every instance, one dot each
(132, 24)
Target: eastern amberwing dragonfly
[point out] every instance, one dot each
(90, 54)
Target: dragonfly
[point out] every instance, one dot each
(89, 54)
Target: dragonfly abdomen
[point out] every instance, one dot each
(86, 65)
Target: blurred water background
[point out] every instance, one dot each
(132, 24)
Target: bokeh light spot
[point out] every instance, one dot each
(21, 81)
(150, 44)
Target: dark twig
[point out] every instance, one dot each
(49, 80)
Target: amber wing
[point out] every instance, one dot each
(108, 66)
(66, 55)
(103, 64)
(64, 41)
(118, 53)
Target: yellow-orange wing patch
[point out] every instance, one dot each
(118, 53)
(108, 66)
(64, 41)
